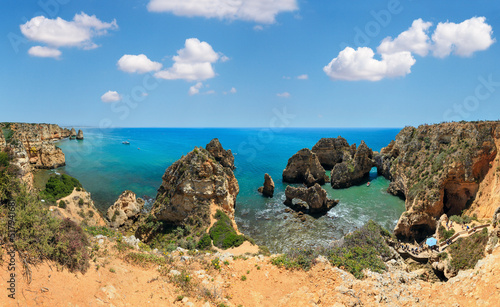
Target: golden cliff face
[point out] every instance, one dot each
(442, 169)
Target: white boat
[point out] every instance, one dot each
(126, 142)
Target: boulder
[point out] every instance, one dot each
(268, 188)
(331, 151)
(192, 187)
(352, 170)
(127, 207)
(79, 136)
(304, 167)
(224, 157)
(312, 200)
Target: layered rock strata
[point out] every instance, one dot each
(126, 209)
(304, 167)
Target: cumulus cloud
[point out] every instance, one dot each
(284, 95)
(137, 64)
(360, 64)
(111, 96)
(415, 40)
(44, 52)
(261, 11)
(58, 32)
(192, 63)
(303, 77)
(233, 90)
(195, 89)
(462, 39)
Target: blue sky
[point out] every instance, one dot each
(260, 63)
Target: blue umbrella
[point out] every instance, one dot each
(431, 241)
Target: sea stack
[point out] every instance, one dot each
(224, 157)
(72, 134)
(312, 200)
(193, 187)
(79, 136)
(304, 167)
(268, 188)
(353, 169)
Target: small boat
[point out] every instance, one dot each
(368, 184)
(126, 142)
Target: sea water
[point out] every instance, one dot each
(106, 167)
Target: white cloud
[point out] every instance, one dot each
(258, 28)
(262, 11)
(44, 52)
(193, 62)
(224, 58)
(137, 64)
(303, 77)
(61, 33)
(462, 39)
(195, 89)
(287, 77)
(111, 96)
(415, 40)
(233, 90)
(284, 95)
(360, 64)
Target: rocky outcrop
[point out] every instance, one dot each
(78, 207)
(3, 143)
(331, 151)
(79, 136)
(311, 200)
(192, 187)
(268, 188)
(304, 167)
(353, 169)
(72, 133)
(224, 157)
(125, 209)
(439, 169)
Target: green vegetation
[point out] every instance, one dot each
(223, 233)
(7, 134)
(144, 260)
(362, 249)
(59, 186)
(243, 278)
(205, 242)
(38, 235)
(464, 219)
(467, 251)
(4, 160)
(445, 234)
(62, 204)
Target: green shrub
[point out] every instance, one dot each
(445, 234)
(223, 234)
(467, 251)
(80, 202)
(71, 246)
(4, 159)
(205, 242)
(62, 204)
(59, 186)
(144, 260)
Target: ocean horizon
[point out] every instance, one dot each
(106, 168)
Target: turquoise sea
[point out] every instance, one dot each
(106, 167)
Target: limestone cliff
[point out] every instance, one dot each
(304, 167)
(32, 146)
(353, 168)
(192, 187)
(439, 169)
(126, 209)
(331, 151)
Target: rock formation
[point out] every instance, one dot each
(304, 167)
(352, 169)
(331, 151)
(268, 188)
(79, 207)
(310, 200)
(73, 133)
(126, 208)
(3, 143)
(439, 169)
(79, 136)
(224, 157)
(192, 187)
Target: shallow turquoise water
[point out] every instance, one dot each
(106, 167)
